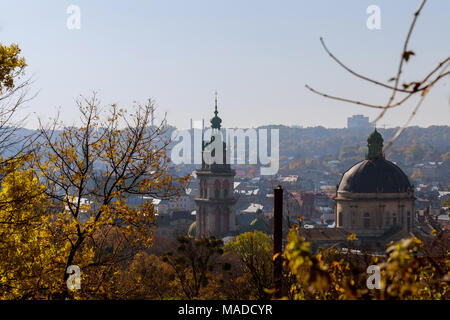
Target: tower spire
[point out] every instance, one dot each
(215, 111)
(216, 121)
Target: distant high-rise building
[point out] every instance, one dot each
(358, 121)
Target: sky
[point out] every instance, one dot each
(257, 54)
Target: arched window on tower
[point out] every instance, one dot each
(366, 220)
(408, 221)
(216, 189)
(205, 189)
(226, 221)
(394, 219)
(217, 222)
(226, 188)
(339, 219)
(201, 188)
(204, 223)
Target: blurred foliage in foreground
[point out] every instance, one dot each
(405, 273)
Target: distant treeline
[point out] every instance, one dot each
(325, 142)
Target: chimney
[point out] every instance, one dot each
(277, 239)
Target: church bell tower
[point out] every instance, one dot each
(215, 202)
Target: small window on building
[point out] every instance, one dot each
(225, 187)
(217, 189)
(408, 222)
(205, 189)
(366, 220)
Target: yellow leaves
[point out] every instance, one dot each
(339, 288)
(11, 65)
(97, 162)
(324, 276)
(85, 207)
(25, 238)
(351, 237)
(337, 265)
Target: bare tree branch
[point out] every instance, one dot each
(409, 90)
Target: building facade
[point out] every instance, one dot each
(358, 121)
(375, 198)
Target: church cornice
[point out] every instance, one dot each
(216, 201)
(215, 173)
(347, 199)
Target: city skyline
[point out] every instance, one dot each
(257, 55)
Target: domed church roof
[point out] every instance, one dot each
(375, 174)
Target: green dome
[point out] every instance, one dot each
(260, 225)
(375, 145)
(216, 121)
(192, 230)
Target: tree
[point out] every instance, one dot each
(414, 154)
(96, 175)
(255, 251)
(404, 274)
(27, 251)
(446, 159)
(417, 174)
(13, 94)
(11, 67)
(146, 277)
(193, 262)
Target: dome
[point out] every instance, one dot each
(216, 121)
(374, 176)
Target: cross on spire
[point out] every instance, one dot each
(216, 121)
(215, 111)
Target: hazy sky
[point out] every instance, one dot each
(257, 54)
